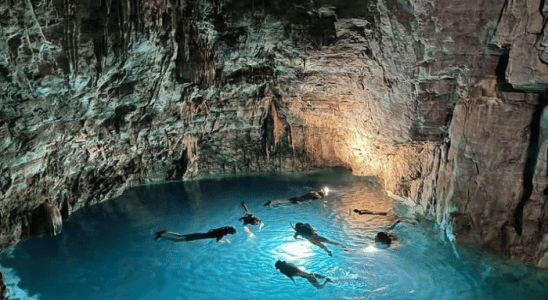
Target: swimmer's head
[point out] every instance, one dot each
(383, 238)
(278, 264)
(230, 230)
(304, 229)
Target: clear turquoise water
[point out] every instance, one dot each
(108, 251)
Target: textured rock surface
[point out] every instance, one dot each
(439, 98)
(3, 289)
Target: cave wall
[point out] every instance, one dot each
(489, 175)
(442, 100)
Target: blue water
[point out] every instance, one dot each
(107, 251)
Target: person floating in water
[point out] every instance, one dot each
(307, 232)
(217, 233)
(290, 270)
(384, 238)
(249, 218)
(368, 212)
(311, 196)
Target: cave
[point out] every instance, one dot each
(442, 102)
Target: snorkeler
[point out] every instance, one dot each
(312, 195)
(307, 232)
(217, 233)
(368, 212)
(384, 238)
(249, 218)
(290, 270)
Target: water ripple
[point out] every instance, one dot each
(108, 251)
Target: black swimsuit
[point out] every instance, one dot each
(217, 233)
(312, 195)
(250, 220)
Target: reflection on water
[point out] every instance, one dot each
(108, 251)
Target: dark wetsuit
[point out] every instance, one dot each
(290, 270)
(368, 212)
(312, 195)
(306, 231)
(383, 237)
(249, 219)
(217, 234)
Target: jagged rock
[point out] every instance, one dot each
(480, 180)
(519, 29)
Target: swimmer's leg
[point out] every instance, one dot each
(323, 277)
(312, 279)
(221, 240)
(393, 225)
(248, 231)
(335, 243)
(319, 244)
(177, 237)
(159, 234)
(324, 240)
(276, 202)
(318, 276)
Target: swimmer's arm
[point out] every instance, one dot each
(291, 277)
(393, 225)
(221, 240)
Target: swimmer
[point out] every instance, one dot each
(217, 233)
(311, 196)
(290, 270)
(307, 232)
(384, 238)
(249, 219)
(368, 212)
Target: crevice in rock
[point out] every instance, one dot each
(500, 71)
(530, 163)
(180, 166)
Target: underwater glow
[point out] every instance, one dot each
(294, 250)
(370, 249)
(108, 251)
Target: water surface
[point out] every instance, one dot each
(107, 251)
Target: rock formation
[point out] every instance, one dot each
(443, 100)
(3, 288)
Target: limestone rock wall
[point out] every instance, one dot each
(489, 175)
(433, 96)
